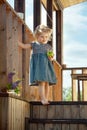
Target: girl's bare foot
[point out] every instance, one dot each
(44, 102)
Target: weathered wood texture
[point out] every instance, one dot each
(57, 116)
(12, 113)
(59, 110)
(56, 126)
(11, 58)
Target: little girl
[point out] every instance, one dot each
(41, 68)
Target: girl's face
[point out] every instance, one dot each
(43, 38)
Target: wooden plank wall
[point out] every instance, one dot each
(58, 116)
(12, 113)
(11, 58)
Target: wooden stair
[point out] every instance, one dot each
(57, 116)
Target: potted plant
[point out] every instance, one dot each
(13, 87)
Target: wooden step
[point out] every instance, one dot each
(58, 110)
(56, 124)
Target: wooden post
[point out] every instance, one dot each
(49, 16)
(37, 13)
(19, 6)
(59, 25)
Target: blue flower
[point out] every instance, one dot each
(10, 76)
(15, 84)
(11, 84)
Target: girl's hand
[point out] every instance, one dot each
(50, 58)
(24, 46)
(50, 55)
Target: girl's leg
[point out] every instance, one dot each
(47, 90)
(42, 92)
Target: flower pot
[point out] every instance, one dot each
(11, 91)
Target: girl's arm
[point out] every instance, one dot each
(24, 46)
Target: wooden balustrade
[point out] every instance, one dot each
(78, 80)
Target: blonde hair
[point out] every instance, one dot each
(43, 29)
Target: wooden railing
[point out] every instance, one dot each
(57, 90)
(78, 82)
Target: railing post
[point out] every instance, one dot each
(84, 87)
(74, 92)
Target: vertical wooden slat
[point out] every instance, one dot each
(74, 127)
(3, 113)
(41, 127)
(82, 127)
(3, 61)
(59, 112)
(10, 42)
(48, 126)
(33, 126)
(67, 111)
(36, 111)
(84, 87)
(65, 127)
(51, 112)
(14, 45)
(75, 111)
(57, 127)
(43, 112)
(83, 113)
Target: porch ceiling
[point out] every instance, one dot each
(68, 3)
(63, 3)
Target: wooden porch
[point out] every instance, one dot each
(25, 112)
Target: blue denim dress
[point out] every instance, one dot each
(41, 68)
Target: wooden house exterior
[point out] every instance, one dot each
(15, 109)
